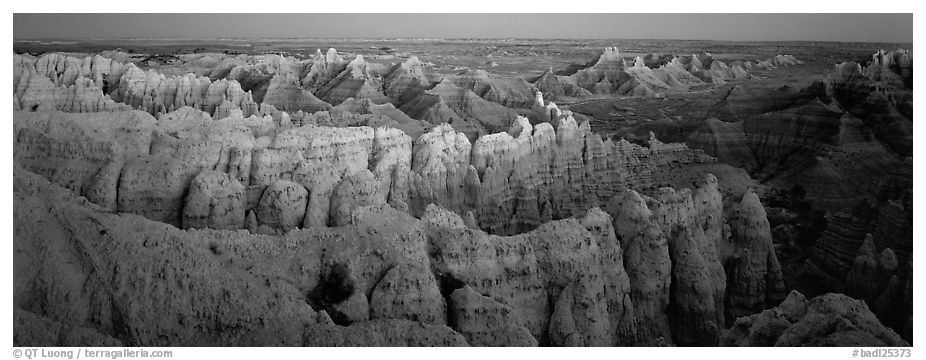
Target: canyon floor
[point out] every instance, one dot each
(382, 192)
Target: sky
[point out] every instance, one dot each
(733, 27)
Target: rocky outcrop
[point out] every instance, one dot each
(38, 93)
(564, 283)
(715, 71)
(285, 93)
(408, 78)
(773, 135)
(754, 281)
(157, 94)
(71, 148)
(354, 112)
(66, 70)
(529, 175)
(888, 224)
(347, 149)
(648, 265)
(461, 108)
(558, 87)
(775, 62)
(153, 162)
(611, 74)
(134, 268)
(35, 330)
(239, 288)
(390, 164)
(282, 206)
(511, 248)
(509, 92)
(876, 279)
(154, 187)
(103, 188)
(863, 279)
(440, 168)
(826, 320)
(383, 333)
(618, 288)
(696, 309)
(355, 81)
(675, 261)
(411, 293)
(486, 322)
(523, 272)
(354, 191)
(440, 164)
(324, 68)
(320, 179)
(879, 95)
(723, 140)
(215, 201)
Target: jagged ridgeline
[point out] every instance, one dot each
(265, 200)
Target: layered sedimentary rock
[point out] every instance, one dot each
(324, 68)
(714, 71)
(365, 112)
(880, 95)
(530, 175)
(797, 137)
(510, 248)
(459, 107)
(284, 93)
(355, 81)
(775, 61)
(162, 157)
(774, 134)
(38, 93)
(70, 149)
(408, 78)
(870, 228)
(556, 86)
(723, 140)
(611, 74)
(509, 92)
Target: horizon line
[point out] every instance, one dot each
(431, 39)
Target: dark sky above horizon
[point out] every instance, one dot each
(734, 27)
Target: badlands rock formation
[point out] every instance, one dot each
(267, 200)
(842, 140)
(564, 283)
(612, 74)
(826, 320)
